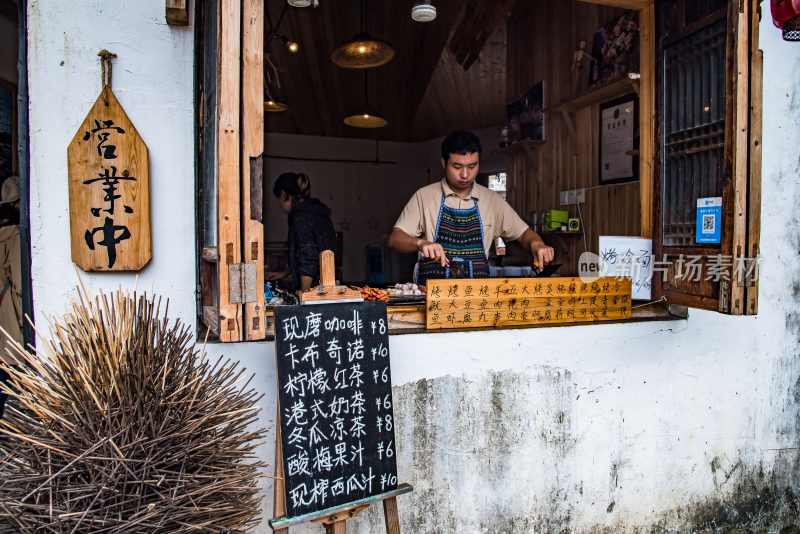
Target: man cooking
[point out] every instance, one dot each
(451, 224)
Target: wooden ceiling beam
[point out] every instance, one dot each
(480, 19)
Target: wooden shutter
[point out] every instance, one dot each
(238, 120)
(700, 149)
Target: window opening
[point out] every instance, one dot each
(497, 183)
(694, 136)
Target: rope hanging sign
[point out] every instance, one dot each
(109, 186)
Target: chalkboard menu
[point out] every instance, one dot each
(335, 393)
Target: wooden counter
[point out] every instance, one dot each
(410, 318)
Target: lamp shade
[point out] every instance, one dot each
(365, 117)
(273, 105)
(362, 52)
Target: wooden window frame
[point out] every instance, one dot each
(741, 171)
(231, 142)
(235, 107)
(742, 194)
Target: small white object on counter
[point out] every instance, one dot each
(407, 289)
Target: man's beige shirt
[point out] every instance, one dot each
(11, 306)
(421, 214)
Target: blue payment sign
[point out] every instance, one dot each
(709, 220)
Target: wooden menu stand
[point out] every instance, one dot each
(334, 518)
(327, 290)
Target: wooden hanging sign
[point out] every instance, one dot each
(493, 302)
(109, 191)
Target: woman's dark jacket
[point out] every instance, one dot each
(310, 232)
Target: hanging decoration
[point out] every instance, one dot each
(786, 16)
(109, 187)
(270, 74)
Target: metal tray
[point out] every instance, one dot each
(405, 299)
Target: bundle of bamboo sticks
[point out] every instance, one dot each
(119, 424)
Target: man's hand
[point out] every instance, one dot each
(432, 251)
(406, 244)
(542, 254)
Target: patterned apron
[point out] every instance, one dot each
(460, 232)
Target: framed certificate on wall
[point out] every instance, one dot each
(619, 140)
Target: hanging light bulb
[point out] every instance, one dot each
(423, 12)
(293, 47)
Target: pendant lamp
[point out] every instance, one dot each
(271, 104)
(362, 51)
(365, 115)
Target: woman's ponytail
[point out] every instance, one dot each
(297, 186)
(303, 186)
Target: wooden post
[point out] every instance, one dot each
(340, 527)
(327, 290)
(647, 116)
(279, 501)
(390, 515)
(228, 168)
(756, 131)
(739, 108)
(327, 269)
(251, 164)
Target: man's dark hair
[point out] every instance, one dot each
(460, 142)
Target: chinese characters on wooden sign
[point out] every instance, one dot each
(335, 396)
(109, 191)
(491, 302)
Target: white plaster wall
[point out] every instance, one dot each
(603, 428)
(153, 80)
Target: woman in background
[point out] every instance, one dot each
(310, 231)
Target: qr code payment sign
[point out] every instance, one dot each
(709, 220)
(709, 226)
